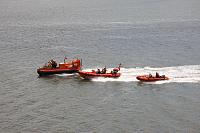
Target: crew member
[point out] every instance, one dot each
(103, 70)
(157, 75)
(98, 71)
(53, 63)
(115, 70)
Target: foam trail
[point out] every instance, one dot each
(64, 75)
(189, 73)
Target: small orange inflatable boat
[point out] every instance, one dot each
(89, 75)
(66, 67)
(147, 78)
(93, 74)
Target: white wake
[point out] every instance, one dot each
(189, 73)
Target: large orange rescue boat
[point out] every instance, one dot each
(150, 78)
(103, 73)
(66, 67)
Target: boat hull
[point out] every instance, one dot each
(90, 75)
(146, 78)
(46, 72)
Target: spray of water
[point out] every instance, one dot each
(189, 73)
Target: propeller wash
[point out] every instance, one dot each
(188, 73)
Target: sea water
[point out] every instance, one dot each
(146, 36)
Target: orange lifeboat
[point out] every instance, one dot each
(149, 78)
(103, 73)
(66, 67)
(93, 74)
